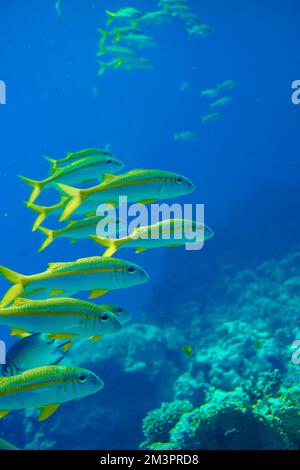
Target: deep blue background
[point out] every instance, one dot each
(245, 167)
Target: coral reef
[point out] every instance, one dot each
(228, 421)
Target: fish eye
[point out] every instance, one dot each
(131, 269)
(179, 180)
(82, 378)
(104, 318)
(109, 161)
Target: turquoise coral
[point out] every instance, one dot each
(227, 422)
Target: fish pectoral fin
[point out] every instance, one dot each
(140, 250)
(54, 292)
(60, 336)
(18, 332)
(3, 413)
(47, 411)
(148, 201)
(95, 338)
(97, 293)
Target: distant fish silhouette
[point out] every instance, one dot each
(59, 8)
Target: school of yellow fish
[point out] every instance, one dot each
(41, 308)
(121, 46)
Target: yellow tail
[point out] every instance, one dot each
(105, 35)
(37, 187)
(53, 163)
(112, 245)
(50, 236)
(41, 217)
(75, 201)
(14, 291)
(111, 17)
(44, 211)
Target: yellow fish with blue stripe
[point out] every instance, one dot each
(46, 388)
(60, 318)
(79, 155)
(96, 274)
(75, 230)
(77, 172)
(140, 186)
(167, 233)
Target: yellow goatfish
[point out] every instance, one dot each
(73, 156)
(96, 274)
(140, 186)
(46, 388)
(167, 233)
(61, 318)
(77, 172)
(75, 230)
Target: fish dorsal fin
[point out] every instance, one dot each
(53, 266)
(107, 178)
(47, 411)
(21, 301)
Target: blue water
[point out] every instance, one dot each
(245, 167)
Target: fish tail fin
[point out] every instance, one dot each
(52, 161)
(119, 62)
(111, 245)
(14, 291)
(102, 50)
(105, 35)
(76, 199)
(118, 35)
(103, 67)
(42, 211)
(50, 236)
(37, 187)
(111, 17)
(10, 275)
